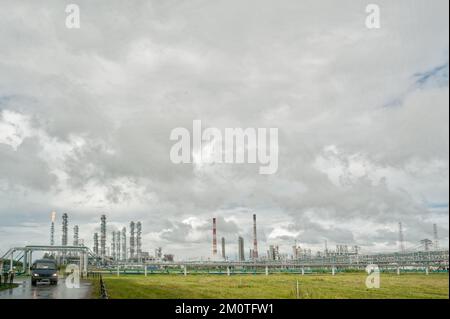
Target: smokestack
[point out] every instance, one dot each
(241, 255)
(52, 229)
(214, 238)
(255, 240)
(223, 248)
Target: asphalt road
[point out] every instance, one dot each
(45, 291)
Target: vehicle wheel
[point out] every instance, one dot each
(33, 282)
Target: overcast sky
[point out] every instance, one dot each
(86, 115)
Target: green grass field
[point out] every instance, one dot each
(341, 286)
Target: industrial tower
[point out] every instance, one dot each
(132, 240)
(103, 237)
(65, 222)
(113, 245)
(124, 244)
(75, 235)
(223, 249)
(96, 244)
(241, 255)
(118, 246)
(138, 241)
(255, 240)
(435, 237)
(52, 229)
(214, 243)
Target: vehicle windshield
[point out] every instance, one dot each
(43, 265)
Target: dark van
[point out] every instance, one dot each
(44, 270)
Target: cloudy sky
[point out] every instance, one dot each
(86, 115)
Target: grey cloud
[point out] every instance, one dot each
(22, 167)
(103, 99)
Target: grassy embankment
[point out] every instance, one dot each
(341, 286)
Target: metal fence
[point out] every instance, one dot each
(96, 275)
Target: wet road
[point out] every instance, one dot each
(45, 291)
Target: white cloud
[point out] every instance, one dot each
(14, 128)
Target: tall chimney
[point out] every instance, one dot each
(241, 254)
(224, 256)
(255, 240)
(214, 238)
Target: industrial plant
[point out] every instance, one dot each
(120, 250)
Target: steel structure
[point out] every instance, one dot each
(138, 241)
(65, 223)
(25, 254)
(52, 229)
(132, 240)
(124, 243)
(393, 260)
(96, 243)
(426, 243)
(421, 260)
(113, 245)
(118, 246)
(103, 237)
(435, 237)
(75, 235)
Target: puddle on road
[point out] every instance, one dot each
(46, 291)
